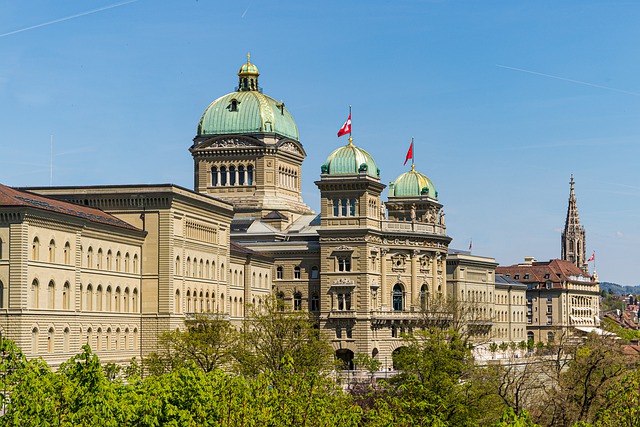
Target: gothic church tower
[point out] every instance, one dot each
(573, 235)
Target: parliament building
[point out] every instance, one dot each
(114, 266)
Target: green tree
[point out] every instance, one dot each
(274, 340)
(206, 342)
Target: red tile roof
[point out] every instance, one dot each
(556, 270)
(10, 197)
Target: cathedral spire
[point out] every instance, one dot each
(573, 235)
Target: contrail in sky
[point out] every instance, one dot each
(569, 80)
(68, 18)
(246, 10)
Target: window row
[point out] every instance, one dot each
(503, 316)
(51, 253)
(288, 178)
(121, 301)
(297, 272)
(204, 301)
(297, 301)
(232, 175)
(344, 207)
(110, 262)
(118, 339)
(199, 269)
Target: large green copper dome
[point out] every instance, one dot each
(247, 110)
(350, 160)
(413, 184)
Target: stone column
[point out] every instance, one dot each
(384, 289)
(434, 275)
(414, 279)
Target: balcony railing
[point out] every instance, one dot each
(342, 314)
(417, 227)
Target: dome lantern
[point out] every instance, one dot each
(248, 76)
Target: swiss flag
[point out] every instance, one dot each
(592, 257)
(346, 127)
(409, 154)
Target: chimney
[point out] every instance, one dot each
(529, 260)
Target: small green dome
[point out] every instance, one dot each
(246, 112)
(248, 68)
(413, 184)
(350, 160)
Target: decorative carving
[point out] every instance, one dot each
(290, 147)
(416, 252)
(232, 143)
(343, 281)
(344, 248)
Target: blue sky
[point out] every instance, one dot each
(505, 100)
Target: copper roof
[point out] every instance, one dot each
(10, 197)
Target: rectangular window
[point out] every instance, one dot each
(549, 320)
(336, 208)
(352, 207)
(344, 264)
(549, 309)
(344, 207)
(549, 299)
(338, 332)
(349, 333)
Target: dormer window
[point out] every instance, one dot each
(233, 106)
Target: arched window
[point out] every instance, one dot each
(51, 340)
(250, 175)
(66, 296)
(223, 175)
(109, 257)
(116, 300)
(89, 296)
(126, 262)
(1, 295)
(34, 340)
(118, 261)
(108, 299)
(135, 338)
(35, 249)
(51, 289)
(108, 339)
(99, 298)
(177, 267)
(90, 257)
(67, 253)
(424, 290)
(35, 293)
(188, 301)
(134, 301)
(398, 303)
(65, 338)
(117, 340)
(99, 339)
(222, 275)
(296, 272)
(135, 263)
(52, 251)
(127, 344)
(176, 302)
(126, 301)
(214, 176)
(297, 301)
(99, 259)
(201, 269)
(241, 176)
(279, 273)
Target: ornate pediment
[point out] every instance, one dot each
(291, 148)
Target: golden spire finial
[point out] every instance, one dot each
(413, 167)
(350, 140)
(248, 57)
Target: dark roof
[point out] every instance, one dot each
(275, 215)
(11, 197)
(501, 279)
(242, 224)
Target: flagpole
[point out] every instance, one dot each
(350, 126)
(413, 155)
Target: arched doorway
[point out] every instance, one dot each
(397, 359)
(345, 356)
